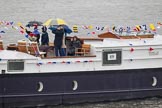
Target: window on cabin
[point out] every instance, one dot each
(15, 65)
(111, 57)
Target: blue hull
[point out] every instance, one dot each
(58, 88)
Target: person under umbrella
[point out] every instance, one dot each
(59, 33)
(67, 30)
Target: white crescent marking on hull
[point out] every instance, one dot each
(75, 85)
(154, 82)
(40, 86)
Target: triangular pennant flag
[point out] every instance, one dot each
(90, 27)
(152, 27)
(84, 27)
(93, 33)
(151, 49)
(102, 28)
(7, 23)
(2, 31)
(11, 23)
(22, 27)
(88, 34)
(26, 36)
(21, 31)
(97, 28)
(19, 24)
(138, 28)
(132, 49)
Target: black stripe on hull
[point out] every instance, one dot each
(76, 87)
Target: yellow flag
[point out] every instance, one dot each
(75, 29)
(90, 27)
(19, 24)
(152, 27)
(138, 28)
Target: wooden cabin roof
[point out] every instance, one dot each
(112, 35)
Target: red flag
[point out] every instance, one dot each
(132, 49)
(151, 49)
(21, 31)
(93, 33)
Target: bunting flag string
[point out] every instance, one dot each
(90, 29)
(64, 62)
(7, 25)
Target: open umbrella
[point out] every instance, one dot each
(57, 21)
(54, 23)
(34, 23)
(66, 28)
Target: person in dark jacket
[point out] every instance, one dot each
(44, 37)
(71, 48)
(74, 44)
(59, 33)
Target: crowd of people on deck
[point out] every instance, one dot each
(60, 47)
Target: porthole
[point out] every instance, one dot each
(40, 87)
(154, 81)
(75, 85)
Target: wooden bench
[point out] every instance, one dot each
(1, 45)
(34, 50)
(84, 50)
(23, 46)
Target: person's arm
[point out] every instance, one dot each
(47, 39)
(28, 32)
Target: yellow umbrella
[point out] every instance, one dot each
(48, 22)
(61, 21)
(51, 21)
